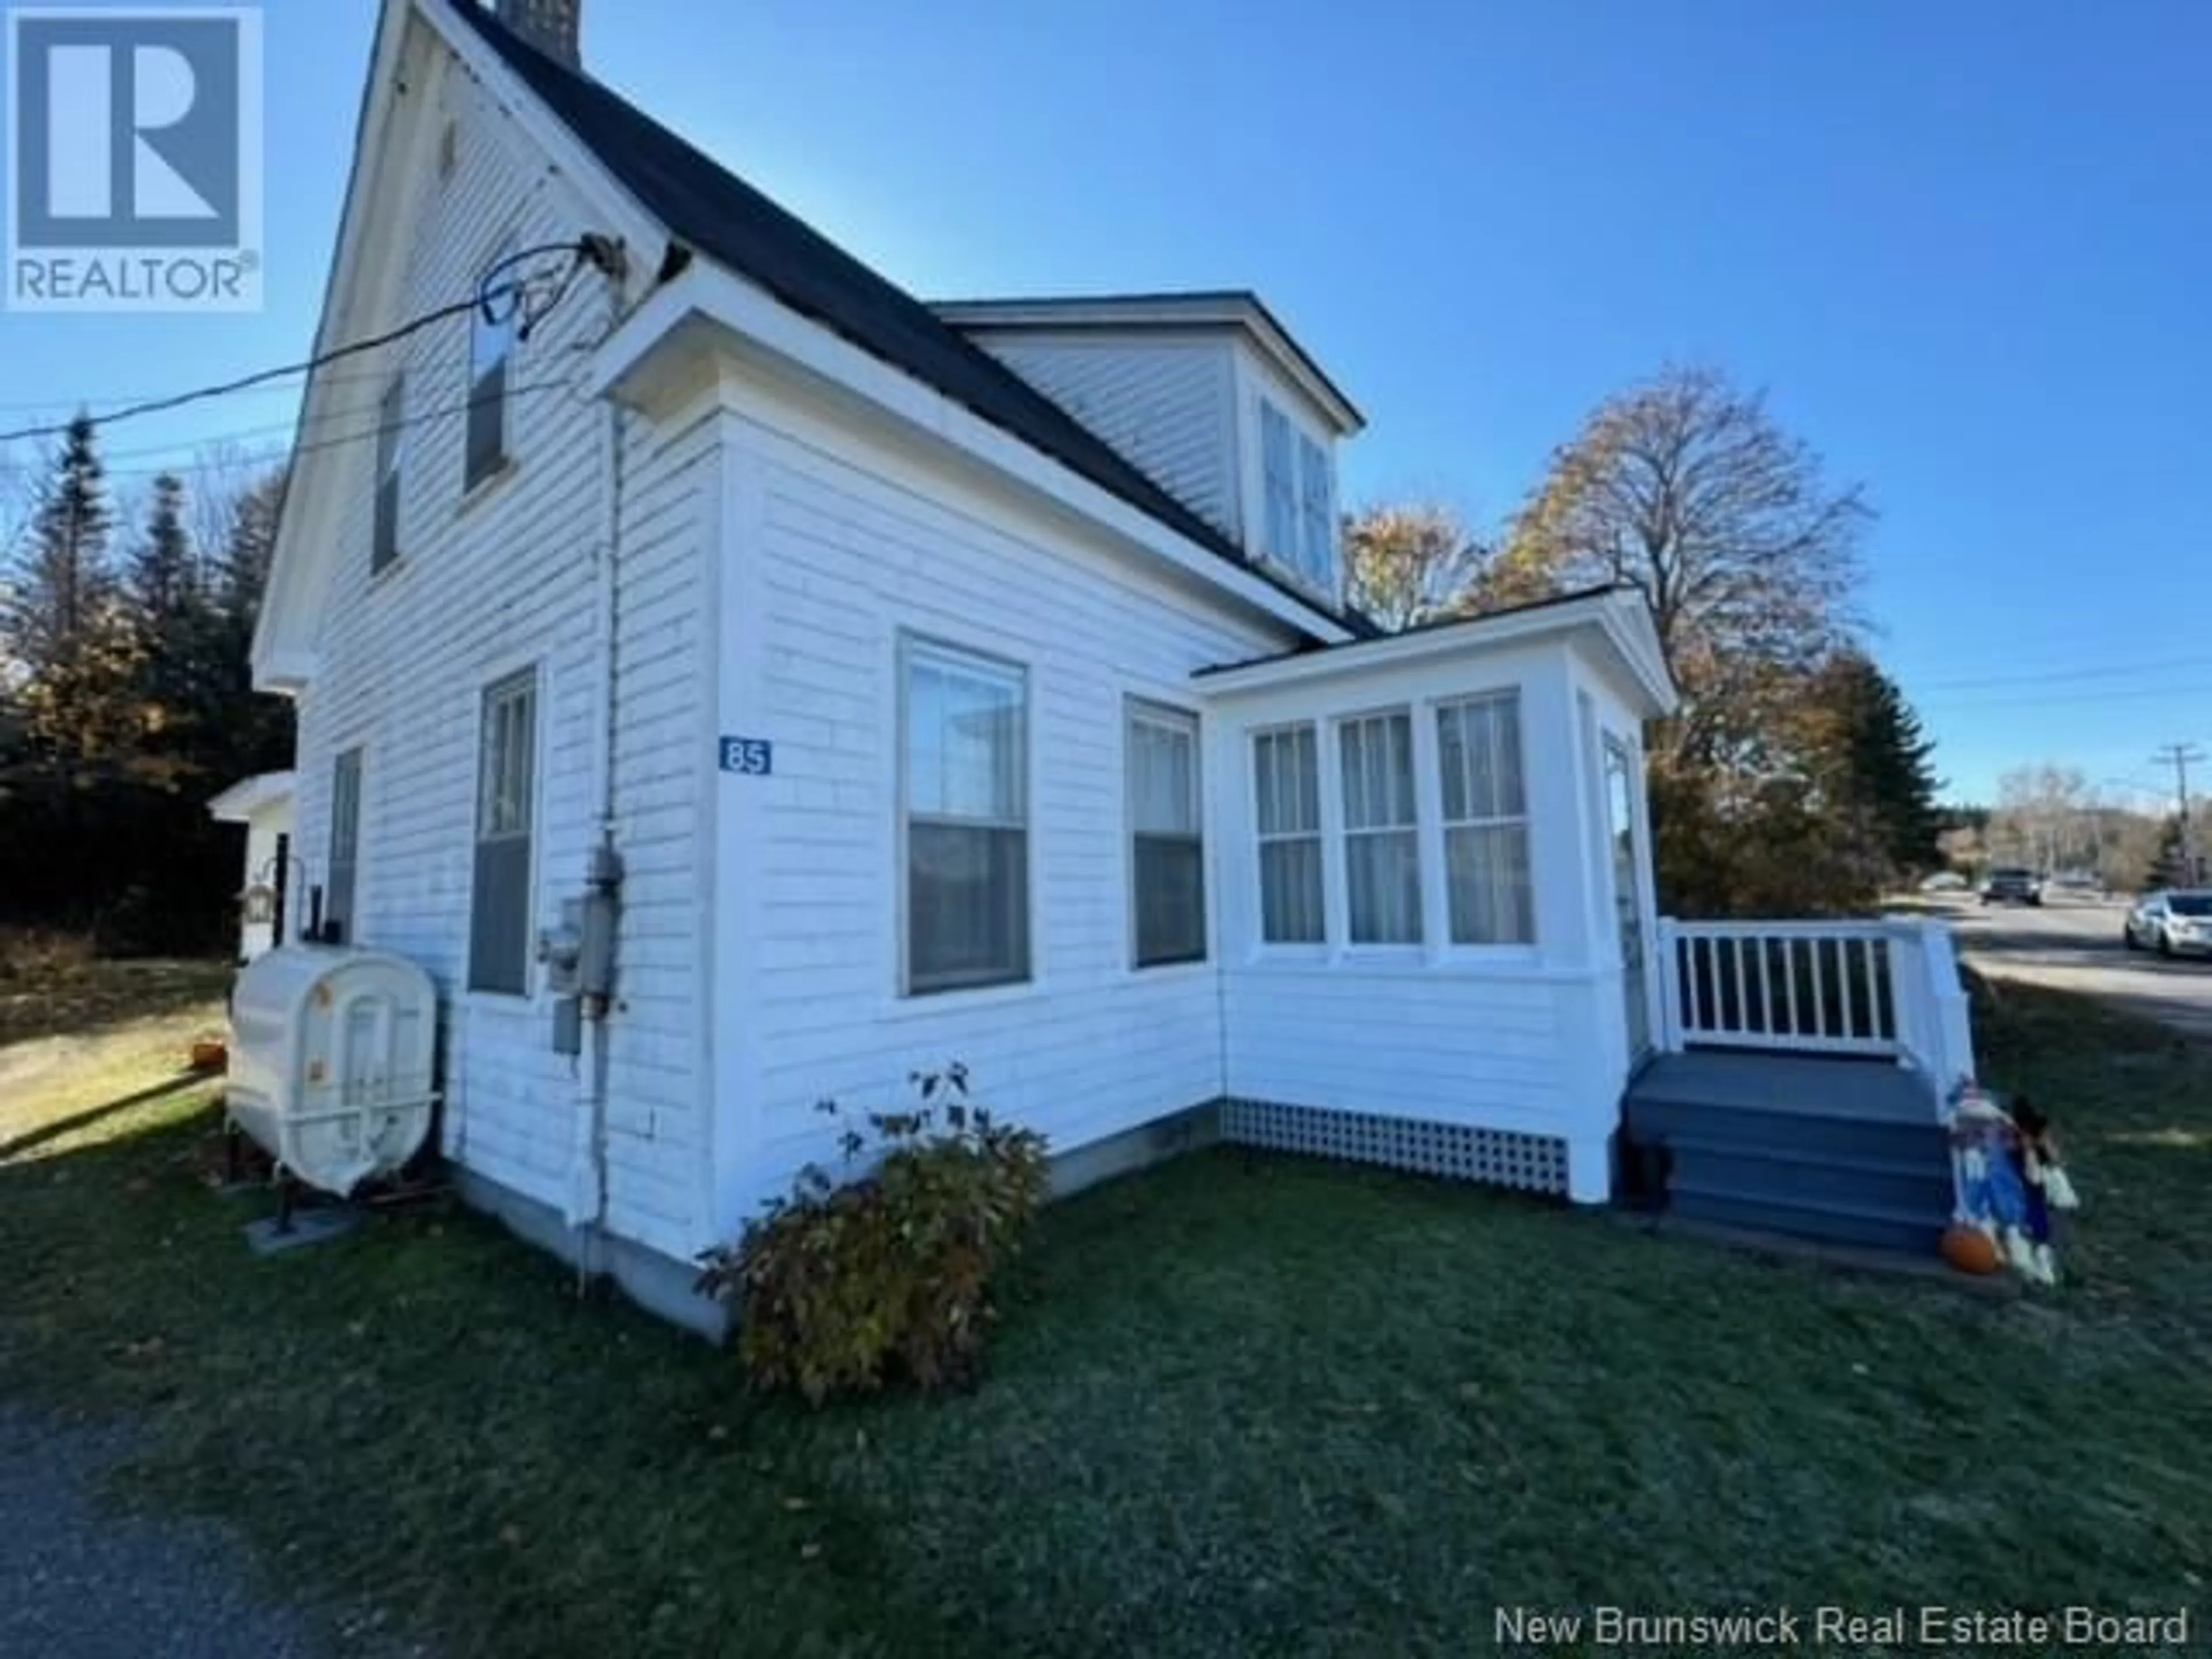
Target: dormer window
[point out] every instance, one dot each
(1300, 535)
(1316, 517)
(1279, 467)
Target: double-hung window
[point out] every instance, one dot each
(491, 346)
(1286, 774)
(345, 846)
(499, 904)
(965, 745)
(1381, 847)
(391, 418)
(1278, 464)
(1316, 517)
(1485, 815)
(1167, 851)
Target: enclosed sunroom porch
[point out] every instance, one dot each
(1434, 940)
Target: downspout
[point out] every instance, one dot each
(603, 875)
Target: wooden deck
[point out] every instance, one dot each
(1867, 1091)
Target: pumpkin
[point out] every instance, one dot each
(1970, 1250)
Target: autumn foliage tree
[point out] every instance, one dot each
(1413, 563)
(1684, 486)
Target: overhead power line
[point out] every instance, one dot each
(528, 297)
(2046, 677)
(365, 434)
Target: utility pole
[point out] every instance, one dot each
(2181, 757)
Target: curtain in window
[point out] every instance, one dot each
(1168, 855)
(1485, 821)
(1287, 774)
(1381, 851)
(967, 821)
(1317, 541)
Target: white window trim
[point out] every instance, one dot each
(908, 642)
(1189, 723)
(1433, 769)
(1290, 949)
(534, 996)
(474, 489)
(1342, 853)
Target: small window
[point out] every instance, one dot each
(499, 903)
(1286, 773)
(1168, 848)
(491, 344)
(391, 418)
(1278, 469)
(1485, 813)
(345, 847)
(1316, 517)
(1382, 849)
(967, 819)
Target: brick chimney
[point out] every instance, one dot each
(554, 26)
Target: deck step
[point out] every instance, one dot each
(1914, 1230)
(1840, 1133)
(1794, 1173)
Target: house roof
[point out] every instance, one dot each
(1200, 308)
(707, 208)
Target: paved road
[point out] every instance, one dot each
(2073, 944)
(78, 1580)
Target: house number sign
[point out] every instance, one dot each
(749, 758)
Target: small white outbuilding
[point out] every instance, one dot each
(263, 806)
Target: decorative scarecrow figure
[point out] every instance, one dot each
(2009, 1180)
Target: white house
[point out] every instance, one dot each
(970, 682)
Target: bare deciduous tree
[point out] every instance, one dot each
(1413, 563)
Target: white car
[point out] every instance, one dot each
(2176, 923)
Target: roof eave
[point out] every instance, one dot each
(632, 364)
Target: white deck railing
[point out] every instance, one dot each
(1886, 988)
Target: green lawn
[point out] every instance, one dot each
(1239, 1405)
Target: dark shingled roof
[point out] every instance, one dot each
(709, 208)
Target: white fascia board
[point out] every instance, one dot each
(753, 316)
(1614, 617)
(248, 796)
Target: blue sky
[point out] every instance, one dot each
(1967, 246)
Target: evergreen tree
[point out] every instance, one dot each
(63, 627)
(1882, 756)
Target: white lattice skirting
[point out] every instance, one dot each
(1504, 1157)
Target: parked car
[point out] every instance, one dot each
(2174, 923)
(2009, 884)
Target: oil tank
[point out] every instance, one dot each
(332, 1055)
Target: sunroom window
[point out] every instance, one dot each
(1382, 848)
(1485, 813)
(1287, 774)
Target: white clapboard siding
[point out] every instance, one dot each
(1165, 404)
(835, 546)
(509, 578)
